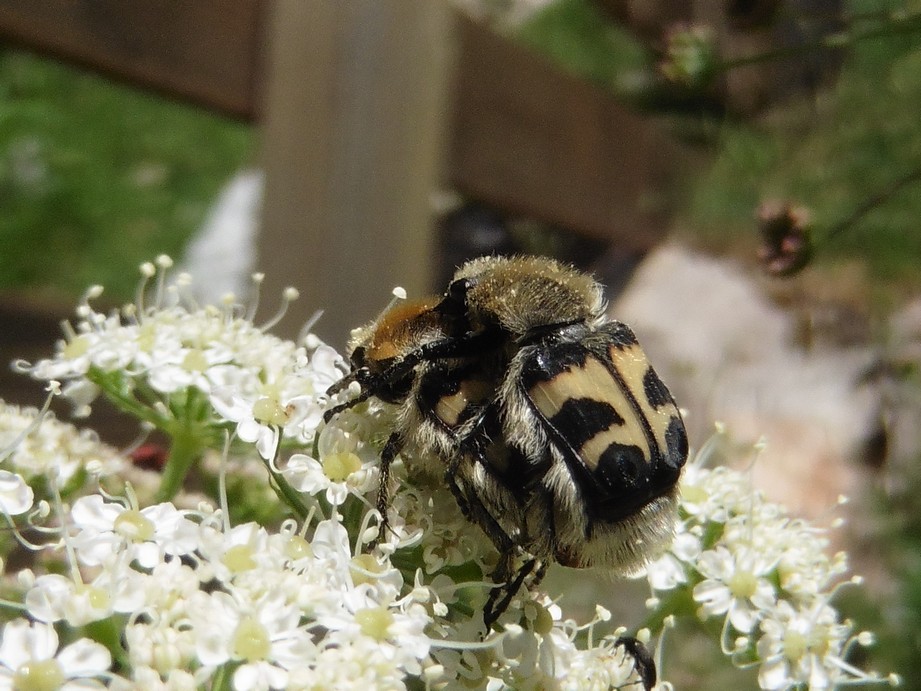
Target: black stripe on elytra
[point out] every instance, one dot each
(624, 482)
(621, 483)
(581, 419)
(550, 362)
(656, 392)
(619, 335)
(621, 466)
(676, 443)
(637, 410)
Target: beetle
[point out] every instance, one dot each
(553, 431)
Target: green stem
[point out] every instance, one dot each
(872, 202)
(222, 678)
(896, 26)
(290, 495)
(117, 394)
(187, 446)
(108, 633)
(679, 602)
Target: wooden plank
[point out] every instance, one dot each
(369, 107)
(355, 114)
(206, 51)
(532, 140)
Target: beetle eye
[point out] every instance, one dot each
(454, 305)
(358, 357)
(457, 290)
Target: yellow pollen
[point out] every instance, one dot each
(39, 675)
(794, 645)
(297, 548)
(743, 584)
(133, 525)
(251, 641)
(364, 563)
(268, 410)
(147, 336)
(543, 622)
(239, 558)
(98, 598)
(76, 347)
(374, 622)
(195, 361)
(338, 466)
(693, 494)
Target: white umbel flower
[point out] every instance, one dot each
(104, 529)
(29, 658)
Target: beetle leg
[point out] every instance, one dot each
(501, 596)
(391, 449)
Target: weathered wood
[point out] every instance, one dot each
(355, 113)
(367, 107)
(532, 140)
(206, 51)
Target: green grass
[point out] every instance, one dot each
(96, 177)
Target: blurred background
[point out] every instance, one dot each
(744, 176)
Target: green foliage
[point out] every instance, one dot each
(832, 151)
(846, 149)
(574, 34)
(96, 177)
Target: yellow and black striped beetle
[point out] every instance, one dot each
(555, 434)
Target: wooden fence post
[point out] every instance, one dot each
(355, 112)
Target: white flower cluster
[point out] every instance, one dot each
(60, 448)
(164, 354)
(770, 578)
(155, 596)
(200, 601)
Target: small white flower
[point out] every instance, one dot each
(16, 496)
(105, 528)
(29, 658)
(368, 619)
(543, 652)
(670, 570)
(243, 549)
(801, 646)
(54, 447)
(736, 585)
(265, 636)
(603, 667)
(338, 475)
(160, 647)
(54, 598)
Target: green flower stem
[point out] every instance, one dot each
(121, 397)
(679, 602)
(290, 495)
(222, 680)
(187, 446)
(108, 632)
(896, 25)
